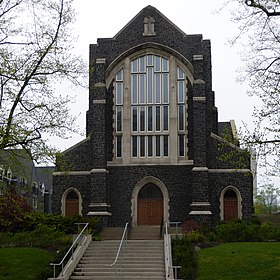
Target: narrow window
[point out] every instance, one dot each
(135, 118)
(142, 118)
(150, 146)
(181, 118)
(119, 146)
(165, 145)
(158, 118)
(134, 146)
(165, 118)
(142, 146)
(150, 118)
(134, 89)
(181, 145)
(142, 88)
(157, 146)
(119, 118)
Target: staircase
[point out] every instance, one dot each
(140, 259)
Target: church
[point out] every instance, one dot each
(154, 150)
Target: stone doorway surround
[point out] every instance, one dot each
(134, 198)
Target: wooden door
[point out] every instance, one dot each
(72, 204)
(72, 207)
(150, 211)
(230, 209)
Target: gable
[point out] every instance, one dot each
(142, 23)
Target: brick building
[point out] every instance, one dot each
(153, 146)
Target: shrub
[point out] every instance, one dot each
(185, 256)
(13, 211)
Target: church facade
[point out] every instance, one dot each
(154, 147)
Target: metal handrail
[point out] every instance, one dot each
(70, 250)
(167, 247)
(124, 237)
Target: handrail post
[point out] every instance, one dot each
(71, 249)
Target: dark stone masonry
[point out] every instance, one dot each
(154, 150)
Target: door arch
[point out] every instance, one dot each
(71, 202)
(134, 199)
(230, 204)
(150, 205)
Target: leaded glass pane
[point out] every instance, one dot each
(150, 84)
(142, 64)
(134, 146)
(142, 118)
(142, 88)
(119, 93)
(150, 146)
(134, 119)
(181, 92)
(157, 146)
(119, 146)
(150, 118)
(157, 88)
(150, 60)
(165, 118)
(181, 122)
(134, 66)
(165, 65)
(134, 89)
(181, 145)
(157, 118)
(181, 74)
(119, 76)
(165, 145)
(157, 63)
(142, 146)
(165, 88)
(119, 118)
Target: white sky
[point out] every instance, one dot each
(103, 19)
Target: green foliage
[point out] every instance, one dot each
(185, 256)
(241, 231)
(13, 211)
(266, 201)
(59, 222)
(42, 237)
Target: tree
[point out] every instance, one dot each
(267, 199)
(259, 28)
(35, 55)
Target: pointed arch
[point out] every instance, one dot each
(230, 200)
(71, 198)
(135, 193)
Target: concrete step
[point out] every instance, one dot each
(145, 233)
(140, 259)
(112, 233)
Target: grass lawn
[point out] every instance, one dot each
(246, 260)
(22, 263)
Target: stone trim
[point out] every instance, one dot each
(141, 163)
(99, 213)
(99, 101)
(197, 57)
(99, 205)
(76, 145)
(230, 171)
(199, 82)
(63, 200)
(206, 203)
(200, 213)
(99, 170)
(199, 98)
(220, 139)
(239, 201)
(99, 84)
(100, 60)
(200, 169)
(72, 173)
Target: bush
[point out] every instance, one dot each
(13, 211)
(184, 255)
(42, 237)
(60, 223)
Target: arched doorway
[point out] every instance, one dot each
(230, 205)
(72, 204)
(150, 205)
